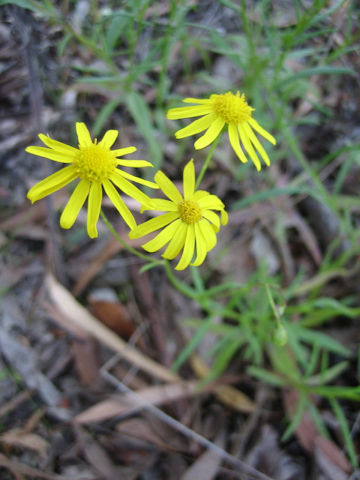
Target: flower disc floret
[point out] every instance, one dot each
(94, 163)
(189, 211)
(96, 166)
(232, 108)
(189, 223)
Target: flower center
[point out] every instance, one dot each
(189, 212)
(94, 163)
(232, 108)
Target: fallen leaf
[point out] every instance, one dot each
(310, 438)
(86, 360)
(156, 433)
(112, 314)
(129, 403)
(28, 441)
(96, 456)
(230, 396)
(207, 465)
(80, 317)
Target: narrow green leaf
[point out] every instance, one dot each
(266, 376)
(273, 193)
(190, 347)
(309, 72)
(327, 375)
(301, 406)
(345, 431)
(104, 115)
(319, 338)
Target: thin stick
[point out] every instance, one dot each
(235, 462)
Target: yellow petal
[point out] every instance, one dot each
(74, 204)
(235, 143)
(188, 112)
(189, 180)
(94, 207)
(211, 133)
(211, 201)
(123, 151)
(168, 187)
(208, 233)
(196, 126)
(83, 135)
(58, 146)
(189, 247)
(257, 144)
(224, 217)
(153, 224)
(133, 163)
(212, 217)
(176, 243)
(50, 154)
(109, 138)
(196, 100)
(200, 194)
(161, 205)
(128, 188)
(262, 131)
(52, 183)
(201, 249)
(138, 179)
(163, 237)
(119, 204)
(248, 147)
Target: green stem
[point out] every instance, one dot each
(206, 163)
(124, 244)
(184, 289)
(272, 304)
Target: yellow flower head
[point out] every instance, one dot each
(189, 221)
(95, 165)
(215, 112)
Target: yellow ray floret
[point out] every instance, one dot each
(189, 223)
(96, 167)
(224, 110)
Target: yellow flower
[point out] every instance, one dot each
(189, 220)
(217, 111)
(96, 167)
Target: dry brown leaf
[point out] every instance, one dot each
(113, 315)
(207, 465)
(86, 360)
(29, 441)
(77, 331)
(156, 433)
(20, 468)
(331, 450)
(229, 395)
(129, 403)
(310, 438)
(96, 456)
(79, 316)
